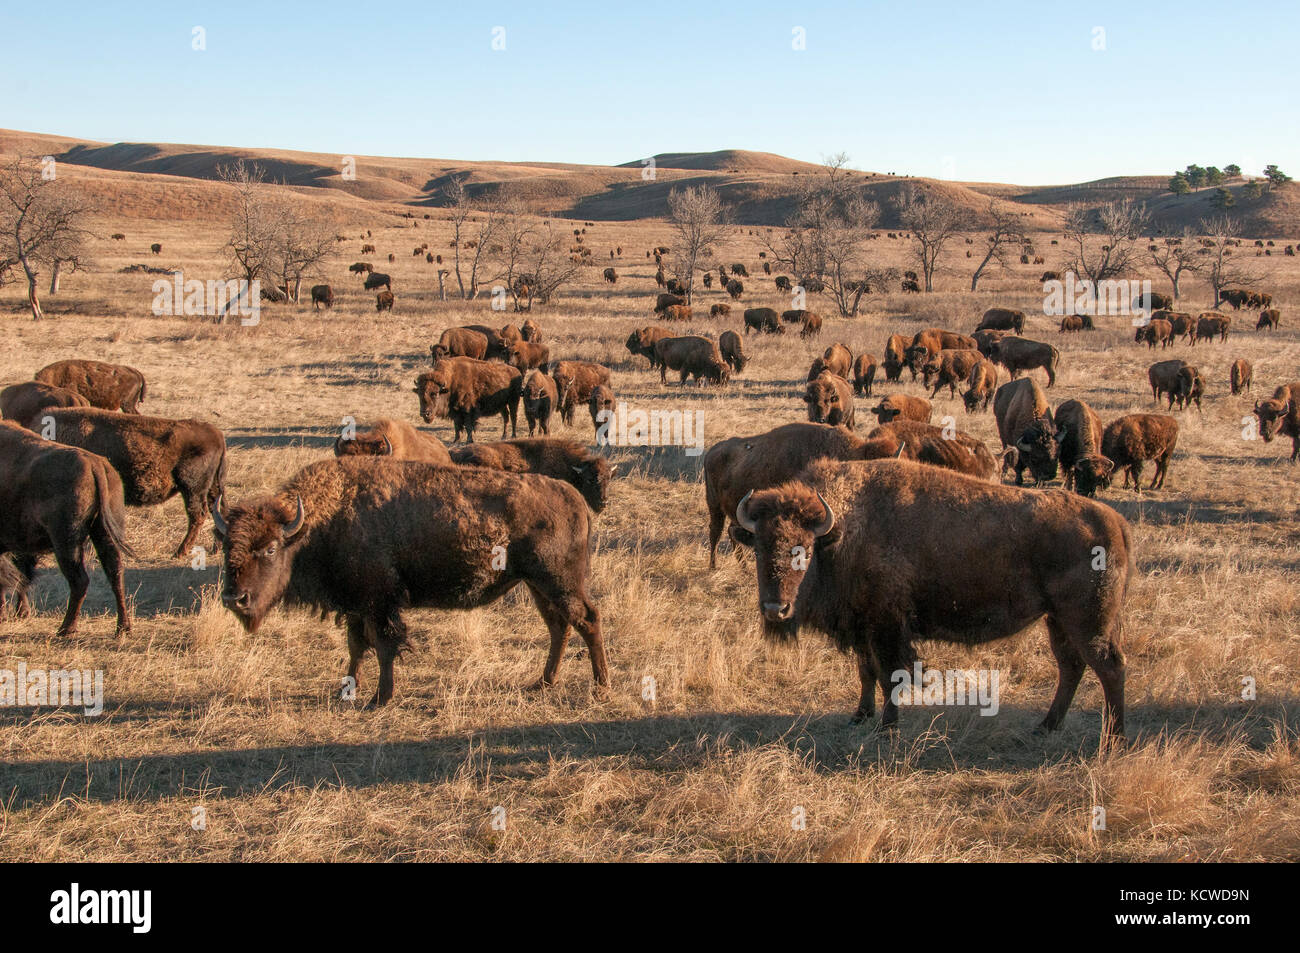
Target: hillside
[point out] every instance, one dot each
(139, 180)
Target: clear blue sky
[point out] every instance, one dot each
(967, 90)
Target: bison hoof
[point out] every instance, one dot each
(123, 631)
(859, 716)
(538, 685)
(375, 702)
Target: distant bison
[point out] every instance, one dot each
(1268, 318)
(322, 294)
(735, 289)
(1002, 319)
(763, 320)
(1240, 376)
(377, 279)
(611, 275)
(720, 311)
(384, 301)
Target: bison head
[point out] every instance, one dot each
(1271, 413)
(717, 372)
(529, 331)
(885, 411)
(363, 445)
(259, 541)
(915, 357)
(432, 389)
(1036, 448)
(785, 526)
(1092, 473)
(823, 400)
(591, 479)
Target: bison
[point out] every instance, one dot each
(732, 350)
(864, 374)
(366, 540)
(1280, 416)
(830, 400)
(980, 385)
(575, 380)
(692, 356)
(1078, 438)
(642, 342)
(763, 320)
(567, 460)
(895, 351)
(384, 301)
(897, 553)
(22, 402)
(901, 405)
(377, 279)
(601, 406)
(1240, 375)
(321, 294)
(107, 386)
(950, 368)
(469, 389)
(526, 355)
(460, 342)
(1156, 331)
(1026, 429)
(56, 499)
(1003, 319)
(1136, 438)
(1018, 355)
(1211, 324)
(1268, 318)
(540, 399)
(396, 439)
(735, 288)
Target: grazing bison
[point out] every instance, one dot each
(55, 499)
(1211, 324)
(739, 270)
(949, 368)
(1051, 276)
(377, 279)
(575, 380)
(720, 311)
(611, 275)
(460, 342)
(895, 351)
(901, 405)
(732, 350)
(642, 341)
(156, 457)
(812, 325)
(675, 286)
(763, 320)
(540, 399)
(384, 301)
(1174, 378)
(1240, 375)
(1003, 319)
(566, 460)
(156, 248)
(864, 374)
(1153, 301)
(1026, 429)
(924, 443)
(1156, 331)
(677, 312)
(935, 340)
(367, 249)
(1180, 323)
(1078, 437)
(898, 553)
(1268, 318)
(396, 439)
(22, 402)
(365, 540)
(1018, 355)
(526, 355)
(782, 283)
(469, 389)
(1136, 438)
(980, 385)
(1280, 415)
(735, 289)
(361, 267)
(321, 294)
(1071, 322)
(601, 406)
(692, 356)
(830, 400)
(665, 301)
(107, 386)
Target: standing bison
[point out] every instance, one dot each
(1280, 416)
(366, 540)
(540, 399)
(1018, 355)
(1026, 429)
(1078, 436)
(897, 553)
(469, 389)
(1002, 319)
(1136, 438)
(830, 400)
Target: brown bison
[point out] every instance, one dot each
(460, 342)
(566, 460)
(812, 325)
(720, 311)
(892, 553)
(1026, 429)
(1240, 375)
(1078, 437)
(901, 405)
(692, 356)
(1156, 331)
(949, 368)
(837, 359)
(156, 457)
(498, 339)
(384, 301)
(732, 350)
(575, 380)
(321, 294)
(156, 248)
(1003, 319)
(396, 439)
(895, 350)
(980, 385)
(763, 320)
(937, 446)
(665, 301)
(1269, 318)
(1018, 355)
(540, 399)
(611, 275)
(864, 374)
(22, 402)
(677, 312)
(984, 340)
(1175, 378)
(642, 341)
(107, 386)
(1211, 324)
(1280, 416)
(366, 540)
(361, 267)
(782, 283)
(466, 389)
(55, 499)
(830, 400)
(1136, 438)
(735, 288)
(1071, 322)
(526, 355)
(601, 406)
(1153, 301)
(377, 279)
(530, 331)
(1236, 297)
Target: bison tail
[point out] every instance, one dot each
(111, 514)
(143, 386)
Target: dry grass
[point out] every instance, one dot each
(250, 728)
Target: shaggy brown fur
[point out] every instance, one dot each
(469, 389)
(1136, 438)
(901, 405)
(830, 400)
(1026, 429)
(460, 342)
(540, 399)
(642, 341)
(575, 380)
(980, 385)
(864, 374)
(691, 356)
(1002, 319)
(1018, 355)
(1280, 416)
(22, 402)
(949, 368)
(565, 460)
(108, 386)
(396, 439)
(1078, 435)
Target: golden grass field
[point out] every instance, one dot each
(250, 727)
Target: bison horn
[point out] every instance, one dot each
(388, 447)
(902, 449)
(828, 521)
(1256, 406)
(742, 517)
(291, 529)
(218, 520)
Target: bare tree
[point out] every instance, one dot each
(249, 244)
(473, 231)
(698, 219)
(933, 222)
(300, 244)
(534, 261)
(41, 224)
(1176, 257)
(1221, 268)
(1006, 234)
(1119, 226)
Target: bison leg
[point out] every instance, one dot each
(1069, 670)
(867, 676)
(195, 512)
(26, 566)
(1105, 658)
(1136, 469)
(387, 637)
(717, 521)
(357, 647)
(1162, 467)
(505, 423)
(558, 626)
(110, 560)
(71, 560)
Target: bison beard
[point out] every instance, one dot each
(365, 539)
(884, 574)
